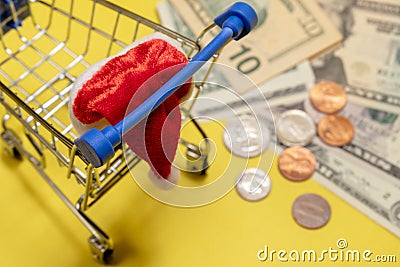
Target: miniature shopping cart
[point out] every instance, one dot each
(40, 58)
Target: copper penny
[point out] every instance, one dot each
(297, 163)
(311, 211)
(335, 130)
(328, 97)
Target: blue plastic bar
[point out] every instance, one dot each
(98, 146)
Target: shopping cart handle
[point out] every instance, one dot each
(98, 146)
(238, 11)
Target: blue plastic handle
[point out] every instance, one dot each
(98, 146)
(238, 11)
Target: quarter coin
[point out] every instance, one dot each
(253, 184)
(328, 97)
(335, 130)
(246, 136)
(311, 211)
(297, 163)
(295, 128)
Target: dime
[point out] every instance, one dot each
(335, 130)
(297, 163)
(246, 137)
(311, 211)
(253, 184)
(295, 128)
(328, 97)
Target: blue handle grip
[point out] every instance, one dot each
(239, 11)
(98, 146)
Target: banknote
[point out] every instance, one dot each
(172, 20)
(301, 72)
(360, 184)
(288, 32)
(377, 136)
(368, 62)
(277, 91)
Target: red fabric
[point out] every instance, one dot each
(120, 85)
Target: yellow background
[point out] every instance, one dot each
(38, 230)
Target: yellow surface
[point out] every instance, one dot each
(38, 230)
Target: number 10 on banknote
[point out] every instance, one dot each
(288, 32)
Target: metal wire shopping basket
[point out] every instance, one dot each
(39, 62)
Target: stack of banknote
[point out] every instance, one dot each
(296, 44)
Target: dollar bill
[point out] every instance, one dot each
(360, 184)
(301, 72)
(288, 32)
(377, 137)
(368, 62)
(172, 20)
(277, 91)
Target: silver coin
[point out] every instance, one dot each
(253, 184)
(295, 128)
(246, 136)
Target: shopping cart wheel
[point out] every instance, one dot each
(196, 158)
(8, 136)
(16, 154)
(101, 249)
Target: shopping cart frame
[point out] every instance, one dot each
(46, 132)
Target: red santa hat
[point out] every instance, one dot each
(104, 93)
